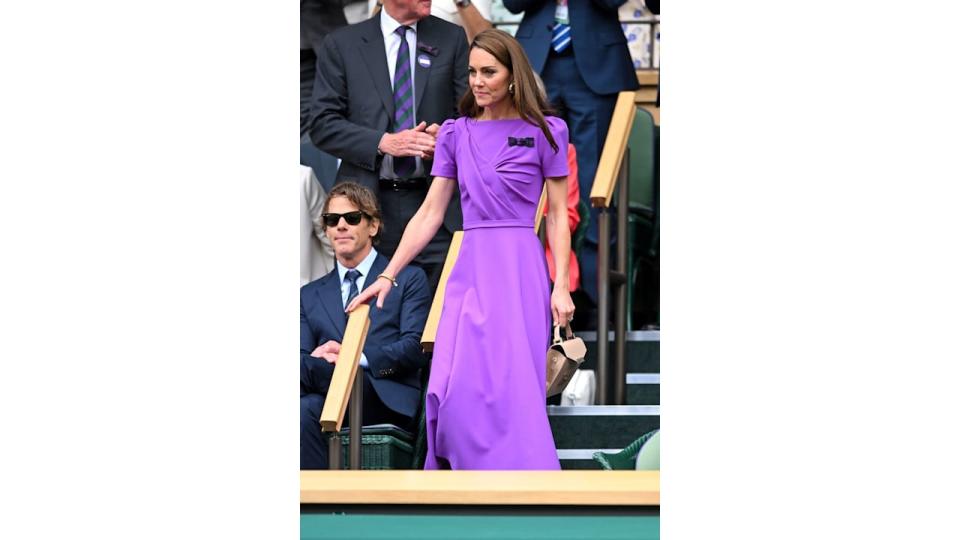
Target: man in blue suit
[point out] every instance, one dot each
(579, 49)
(392, 357)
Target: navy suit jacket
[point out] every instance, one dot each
(599, 46)
(393, 349)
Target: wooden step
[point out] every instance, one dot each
(643, 351)
(643, 388)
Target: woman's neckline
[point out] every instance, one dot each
(497, 119)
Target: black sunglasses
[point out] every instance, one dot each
(352, 218)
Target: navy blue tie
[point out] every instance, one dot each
(351, 277)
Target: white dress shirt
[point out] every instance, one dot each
(364, 268)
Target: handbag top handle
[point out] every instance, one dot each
(556, 333)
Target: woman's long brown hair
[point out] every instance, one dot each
(527, 99)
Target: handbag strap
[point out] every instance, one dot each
(556, 333)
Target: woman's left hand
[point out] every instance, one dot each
(561, 305)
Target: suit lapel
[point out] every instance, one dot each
(331, 297)
(379, 265)
(332, 301)
(424, 35)
(375, 56)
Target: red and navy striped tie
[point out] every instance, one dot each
(403, 167)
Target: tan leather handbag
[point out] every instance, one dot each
(563, 359)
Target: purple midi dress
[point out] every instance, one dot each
(486, 404)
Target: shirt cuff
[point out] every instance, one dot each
(363, 361)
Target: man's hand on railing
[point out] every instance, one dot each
(379, 288)
(329, 351)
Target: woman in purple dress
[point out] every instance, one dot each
(486, 404)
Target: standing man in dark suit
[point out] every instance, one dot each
(383, 87)
(579, 49)
(392, 357)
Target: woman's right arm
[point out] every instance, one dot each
(421, 228)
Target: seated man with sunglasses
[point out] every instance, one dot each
(392, 357)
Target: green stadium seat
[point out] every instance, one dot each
(643, 220)
(626, 459)
(648, 459)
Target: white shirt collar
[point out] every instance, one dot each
(389, 25)
(363, 267)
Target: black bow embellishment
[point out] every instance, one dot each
(523, 141)
(429, 49)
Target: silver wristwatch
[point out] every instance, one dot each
(462, 3)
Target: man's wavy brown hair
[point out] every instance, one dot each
(362, 198)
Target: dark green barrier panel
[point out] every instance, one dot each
(438, 527)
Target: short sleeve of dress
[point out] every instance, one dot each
(554, 163)
(444, 155)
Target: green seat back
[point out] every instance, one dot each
(625, 459)
(648, 459)
(643, 178)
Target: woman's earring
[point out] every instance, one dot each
(510, 88)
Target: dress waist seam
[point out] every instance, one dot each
(498, 224)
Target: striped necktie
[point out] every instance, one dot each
(351, 277)
(561, 37)
(403, 167)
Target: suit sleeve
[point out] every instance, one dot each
(517, 6)
(405, 355)
(308, 72)
(307, 345)
(329, 128)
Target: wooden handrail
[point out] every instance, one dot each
(648, 77)
(540, 206)
(647, 95)
(433, 319)
(608, 169)
(335, 404)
